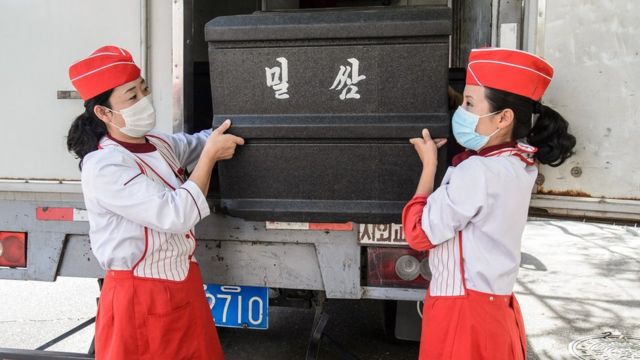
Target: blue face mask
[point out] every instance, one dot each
(464, 125)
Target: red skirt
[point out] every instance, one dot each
(475, 326)
(140, 318)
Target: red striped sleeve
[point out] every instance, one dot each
(412, 224)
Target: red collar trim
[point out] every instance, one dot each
(488, 150)
(147, 147)
(483, 152)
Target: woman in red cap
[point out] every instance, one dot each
(472, 224)
(142, 211)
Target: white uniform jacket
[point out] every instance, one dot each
(141, 210)
(482, 205)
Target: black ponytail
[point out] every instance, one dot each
(87, 129)
(550, 134)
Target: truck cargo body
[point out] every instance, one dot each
(342, 240)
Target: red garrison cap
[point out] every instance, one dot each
(106, 68)
(513, 71)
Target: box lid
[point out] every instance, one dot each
(332, 24)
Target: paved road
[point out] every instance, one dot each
(576, 279)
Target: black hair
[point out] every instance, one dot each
(550, 134)
(87, 129)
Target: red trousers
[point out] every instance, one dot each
(140, 318)
(477, 326)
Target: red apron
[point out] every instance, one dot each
(474, 325)
(143, 318)
(158, 309)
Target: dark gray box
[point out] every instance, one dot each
(327, 101)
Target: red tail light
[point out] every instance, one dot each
(13, 249)
(397, 267)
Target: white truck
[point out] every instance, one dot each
(593, 45)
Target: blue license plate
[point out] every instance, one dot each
(239, 306)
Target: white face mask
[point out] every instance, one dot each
(139, 118)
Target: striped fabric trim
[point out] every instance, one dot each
(516, 50)
(445, 261)
(474, 76)
(98, 54)
(102, 68)
(507, 64)
(522, 151)
(166, 256)
(166, 150)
